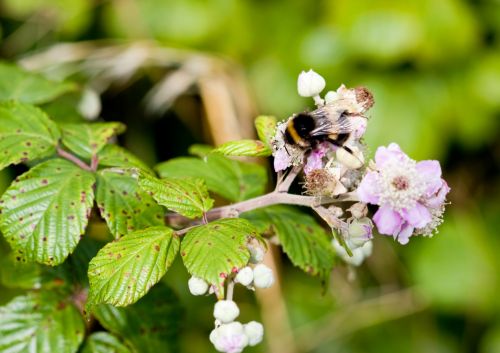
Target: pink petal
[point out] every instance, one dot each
(358, 126)
(437, 199)
(314, 161)
(387, 220)
(385, 155)
(367, 189)
(281, 160)
(418, 216)
(405, 234)
(431, 173)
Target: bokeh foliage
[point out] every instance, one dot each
(434, 68)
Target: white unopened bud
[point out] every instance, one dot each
(263, 276)
(352, 160)
(310, 84)
(226, 311)
(256, 254)
(229, 338)
(197, 286)
(255, 332)
(90, 104)
(245, 276)
(331, 96)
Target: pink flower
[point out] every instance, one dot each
(315, 159)
(411, 195)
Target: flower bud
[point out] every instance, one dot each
(310, 84)
(352, 160)
(229, 338)
(197, 286)
(226, 311)
(358, 255)
(256, 254)
(331, 96)
(358, 210)
(255, 332)
(90, 104)
(245, 276)
(263, 276)
(360, 232)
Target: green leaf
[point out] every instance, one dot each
(15, 273)
(303, 240)
(188, 196)
(124, 270)
(124, 205)
(41, 322)
(266, 128)
(104, 342)
(28, 87)
(233, 180)
(149, 326)
(200, 150)
(26, 133)
(77, 264)
(249, 148)
(64, 109)
(46, 209)
(213, 251)
(116, 156)
(88, 139)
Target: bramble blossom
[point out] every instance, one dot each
(410, 195)
(352, 102)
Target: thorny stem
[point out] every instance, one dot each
(279, 196)
(70, 157)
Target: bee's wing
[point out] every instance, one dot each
(330, 120)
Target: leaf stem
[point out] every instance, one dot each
(70, 157)
(230, 290)
(94, 162)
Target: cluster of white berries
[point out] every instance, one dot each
(231, 336)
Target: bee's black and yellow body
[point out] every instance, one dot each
(298, 130)
(306, 130)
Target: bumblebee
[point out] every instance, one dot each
(326, 123)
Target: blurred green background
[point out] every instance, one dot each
(434, 68)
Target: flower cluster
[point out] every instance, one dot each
(231, 336)
(330, 168)
(411, 195)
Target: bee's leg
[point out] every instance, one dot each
(284, 139)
